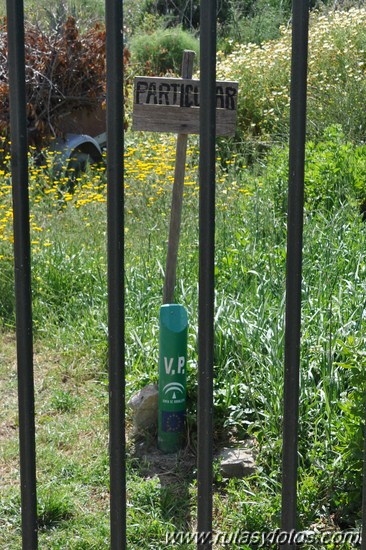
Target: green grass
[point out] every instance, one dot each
(70, 320)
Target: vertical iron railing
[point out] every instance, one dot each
(206, 267)
(115, 207)
(294, 263)
(22, 268)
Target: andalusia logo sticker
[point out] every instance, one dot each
(174, 390)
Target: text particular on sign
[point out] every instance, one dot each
(172, 105)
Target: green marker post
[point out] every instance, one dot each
(172, 377)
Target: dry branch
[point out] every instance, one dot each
(64, 72)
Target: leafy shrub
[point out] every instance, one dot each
(335, 171)
(336, 78)
(162, 51)
(351, 427)
(253, 22)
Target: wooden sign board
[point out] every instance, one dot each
(172, 105)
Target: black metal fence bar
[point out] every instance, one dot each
(115, 207)
(22, 264)
(206, 267)
(294, 263)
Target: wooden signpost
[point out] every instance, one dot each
(173, 105)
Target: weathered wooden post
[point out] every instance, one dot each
(173, 105)
(177, 198)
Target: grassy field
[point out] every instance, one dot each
(70, 316)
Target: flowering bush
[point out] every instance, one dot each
(336, 78)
